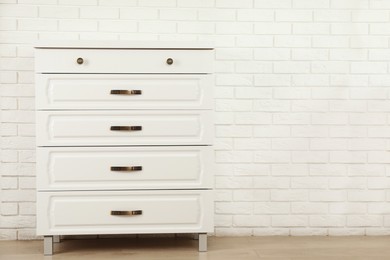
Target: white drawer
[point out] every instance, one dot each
(123, 61)
(150, 127)
(168, 167)
(90, 212)
(108, 91)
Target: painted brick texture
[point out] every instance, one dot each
(302, 105)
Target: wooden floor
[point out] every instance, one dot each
(226, 248)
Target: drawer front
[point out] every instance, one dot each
(123, 61)
(150, 127)
(105, 168)
(100, 212)
(91, 91)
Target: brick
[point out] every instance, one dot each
(309, 208)
(255, 41)
(332, 41)
(118, 2)
(271, 182)
(157, 27)
(9, 183)
(271, 105)
(274, 4)
(216, 15)
(370, 16)
(196, 27)
(329, 118)
(291, 93)
(292, 41)
(332, 15)
(271, 131)
(311, 4)
(251, 221)
(369, 41)
(10, 10)
(256, 15)
(326, 144)
(309, 183)
(160, 3)
(310, 54)
(364, 220)
(234, 4)
(293, 16)
(253, 93)
(273, 28)
(328, 195)
(117, 26)
(272, 54)
(253, 118)
(328, 169)
(349, 29)
(272, 156)
(290, 144)
(289, 195)
(327, 221)
(271, 208)
(138, 13)
(251, 195)
(347, 183)
(270, 80)
(348, 131)
(366, 195)
(349, 4)
(291, 67)
(58, 12)
(310, 106)
(347, 208)
(309, 157)
(291, 221)
(233, 207)
(290, 169)
(78, 25)
(291, 118)
(9, 209)
(253, 67)
(348, 157)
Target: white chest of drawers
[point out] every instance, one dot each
(124, 139)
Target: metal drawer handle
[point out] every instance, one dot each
(80, 61)
(126, 168)
(169, 61)
(126, 212)
(126, 128)
(125, 92)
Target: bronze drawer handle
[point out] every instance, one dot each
(126, 168)
(80, 61)
(126, 212)
(169, 61)
(126, 128)
(125, 92)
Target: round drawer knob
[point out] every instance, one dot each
(169, 61)
(80, 61)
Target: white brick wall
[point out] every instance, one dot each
(302, 101)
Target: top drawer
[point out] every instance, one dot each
(123, 61)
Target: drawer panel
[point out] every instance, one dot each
(169, 167)
(143, 127)
(123, 61)
(92, 91)
(90, 212)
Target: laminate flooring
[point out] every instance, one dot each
(219, 248)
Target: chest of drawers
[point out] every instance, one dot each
(124, 139)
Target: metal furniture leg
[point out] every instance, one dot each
(203, 242)
(56, 239)
(48, 245)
